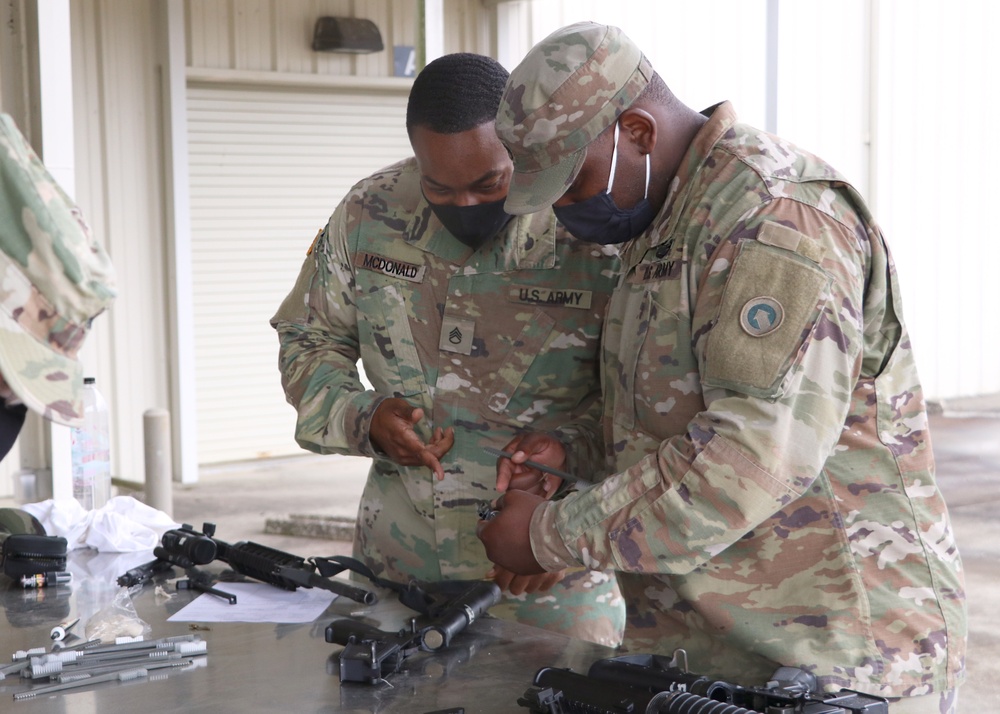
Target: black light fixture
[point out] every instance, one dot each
(346, 34)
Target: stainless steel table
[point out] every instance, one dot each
(268, 667)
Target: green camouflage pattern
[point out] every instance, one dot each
(54, 280)
(773, 501)
(490, 342)
(546, 121)
(14, 521)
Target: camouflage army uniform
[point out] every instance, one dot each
(775, 500)
(490, 342)
(55, 279)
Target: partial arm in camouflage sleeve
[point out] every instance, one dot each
(319, 348)
(584, 443)
(740, 460)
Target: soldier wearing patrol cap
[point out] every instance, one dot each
(54, 280)
(772, 499)
(471, 325)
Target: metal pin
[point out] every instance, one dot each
(71, 675)
(122, 676)
(59, 631)
(486, 511)
(535, 465)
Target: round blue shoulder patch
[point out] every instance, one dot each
(761, 316)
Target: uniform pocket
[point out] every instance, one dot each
(769, 307)
(518, 360)
(388, 350)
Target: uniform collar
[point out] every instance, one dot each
(721, 118)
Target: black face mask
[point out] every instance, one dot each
(11, 421)
(473, 225)
(599, 219)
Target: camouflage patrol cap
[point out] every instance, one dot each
(54, 279)
(569, 88)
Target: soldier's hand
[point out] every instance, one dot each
(440, 444)
(544, 485)
(506, 536)
(536, 446)
(392, 433)
(519, 584)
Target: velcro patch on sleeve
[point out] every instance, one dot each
(770, 303)
(790, 239)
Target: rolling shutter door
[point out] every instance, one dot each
(268, 166)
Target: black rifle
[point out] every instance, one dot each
(141, 573)
(651, 684)
(371, 654)
(187, 547)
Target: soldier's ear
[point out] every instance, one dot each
(639, 127)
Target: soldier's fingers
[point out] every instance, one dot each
(533, 583)
(443, 442)
(549, 580)
(505, 473)
(428, 459)
(518, 585)
(530, 481)
(502, 578)
(405, 447)
(550, 484)
(518, 457)
(438, 451)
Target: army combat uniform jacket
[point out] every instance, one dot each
(774, 500)
(490, 342)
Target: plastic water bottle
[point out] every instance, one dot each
(91, 450)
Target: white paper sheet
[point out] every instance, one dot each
(256, 602)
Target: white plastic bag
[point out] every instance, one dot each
(117, 619)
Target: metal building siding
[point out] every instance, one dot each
(268, 166)
(935, 156)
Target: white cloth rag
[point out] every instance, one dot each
(122, 525)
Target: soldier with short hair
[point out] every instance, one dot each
(471, 325)
(54, 280)
(772, 499)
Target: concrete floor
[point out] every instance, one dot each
(240, 498)
(967, 449)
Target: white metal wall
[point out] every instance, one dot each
(268, 166)
(119, 169)
(276, 35)
(705, 51)
(899, 95)
(938, 100)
